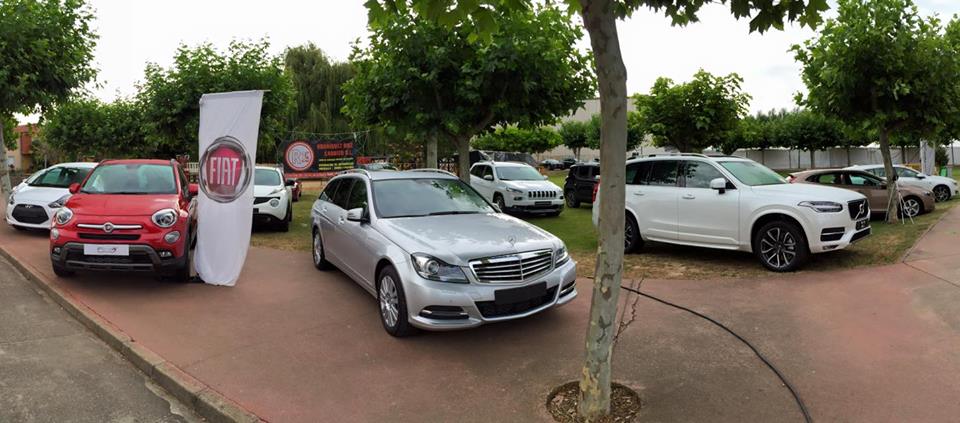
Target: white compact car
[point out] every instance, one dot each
(273, 198)
(34, 201)
(737, 204)
(516, 187)
(434, 253)
(943, 188)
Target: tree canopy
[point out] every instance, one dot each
(881, 66)
(524, 140)
(171, 97)
(317, 82)
(694, 115)
(422, 77)
(84, 128)
(574, 135)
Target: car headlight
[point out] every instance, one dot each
(429, 267)
(561, 256)
(274, 202)
(164, 218)
(60, 202)
(822, 206)
(514, 190)
(12, 194)
(63, 216)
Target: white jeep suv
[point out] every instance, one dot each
(737, 204)
(516, 187)
(273, 198)
(434, 253)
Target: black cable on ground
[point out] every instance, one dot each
(796, 395)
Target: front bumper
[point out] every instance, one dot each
(142, 258)
(449, 306)
(535, 205)
(33, 223)
(834, 231)
(265, 212)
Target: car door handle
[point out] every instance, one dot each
(688, 196)
(637, 193)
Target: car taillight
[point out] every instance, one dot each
(596, 187)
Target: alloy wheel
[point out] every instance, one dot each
(941, 193)
(317, 248)
(389, 301)
(628, 234)
(911, 207)
(778, 247)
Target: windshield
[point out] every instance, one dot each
(518, 173)
(425, 197)
(267, 177)
(58, 177)
(752, 173)
(131, 179)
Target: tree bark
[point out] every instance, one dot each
(432, 152)
(463, 162)
(848, 156)
(4, 173)
(599, 18)
(812, 159)
(892, 200)
(763, 159)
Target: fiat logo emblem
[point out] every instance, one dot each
(225, 170)
(108, 227)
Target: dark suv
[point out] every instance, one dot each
(580, 182)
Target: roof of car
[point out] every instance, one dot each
(399, 174)
(268, 167)
(689, 157)
(87, 165)
(136, 161)
(810, 172)
(504, 164)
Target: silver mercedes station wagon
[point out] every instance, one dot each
(435, 253)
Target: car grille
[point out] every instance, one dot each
(260, 200)
(490, 309)
(541, 194)
(29, 214)
(112, 237)
(135, 257)
(858, 209)
(514, 267)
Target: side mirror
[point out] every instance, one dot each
(193, 190)
(357, 215)
(921, 176)
(488, 177)
(545, 177)
(719, 184)
(74, 188)
(290, 182)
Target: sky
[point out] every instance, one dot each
(134, 33)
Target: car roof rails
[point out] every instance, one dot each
(434, 170)
(349, 171)
(678, 154)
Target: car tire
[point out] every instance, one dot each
(911, 207)
(781, 246)
(572, 200)
(182, 273)
(498, 200)
(941, 193)
(61, 271)
(632, 241)
(393, 303)
(319, 256)
(284, 225)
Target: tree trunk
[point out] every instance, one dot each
(599, 18)
(848, 156)
(763, 159)
(432, 152)
(893, 202)
(463, 163)
(812, 159)
(4, 173)
(576, 152)
(903, 155)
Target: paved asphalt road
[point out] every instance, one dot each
(52, 369)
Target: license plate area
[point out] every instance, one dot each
(523, 293)
(542, 203)
(862, 224)
(106, 249)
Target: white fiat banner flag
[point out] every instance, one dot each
(229, 123)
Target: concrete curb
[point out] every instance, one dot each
(906, 255)
(204, 400)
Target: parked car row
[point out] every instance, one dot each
(912, 200)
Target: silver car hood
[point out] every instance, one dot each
(457, 239)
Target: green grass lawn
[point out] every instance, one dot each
(886, 245)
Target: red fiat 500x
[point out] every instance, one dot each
(127, 215)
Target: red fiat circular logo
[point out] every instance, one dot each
(225, 170)
(299, 156)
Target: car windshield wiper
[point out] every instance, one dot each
(128, 193)
(451, 212)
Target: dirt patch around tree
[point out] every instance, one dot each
(563, 401)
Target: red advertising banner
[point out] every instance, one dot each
(315, 159)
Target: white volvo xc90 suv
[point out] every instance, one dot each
(737, 204)
(436, 254)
